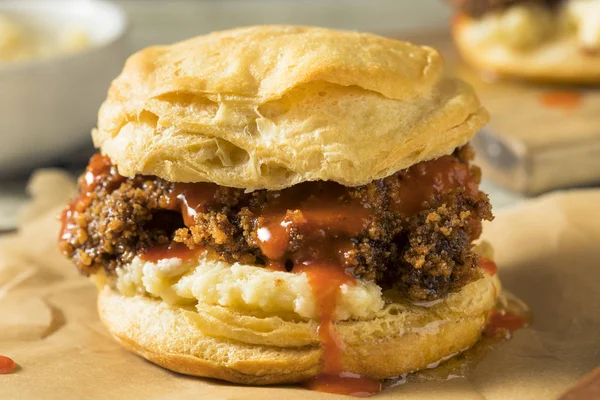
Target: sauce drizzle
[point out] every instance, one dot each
(308, 228)
(422, 182)
(98, 166)
(488, 266)
(192, 198)
(325, 281)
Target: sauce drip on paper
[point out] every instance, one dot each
(345, 383)
(566, 99)
(7, 365)
(504, 323)
(508, 316)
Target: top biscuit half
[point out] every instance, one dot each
(267, 107)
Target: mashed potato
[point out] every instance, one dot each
(19, 42)
(240, 287)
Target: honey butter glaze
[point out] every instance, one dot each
(323, 214)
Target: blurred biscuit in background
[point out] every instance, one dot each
(544, 40)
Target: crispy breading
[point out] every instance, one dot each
(425, 254)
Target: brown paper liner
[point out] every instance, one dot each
(548, 252)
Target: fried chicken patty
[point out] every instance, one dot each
(477, 8)
(411, 231)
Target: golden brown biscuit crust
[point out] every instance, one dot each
(562, 60)
(241, 349)
(266, 107)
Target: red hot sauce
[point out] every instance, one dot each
(7, 365)
(567, 99)
(173, 250)
(327, 219)
(191, 199)
(326, 281)
(345, 383)
(308, 228)
(488, 266)
(424, 181)
(93, 177)
(504, 323)
(98, 166)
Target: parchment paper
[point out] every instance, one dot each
(548, 251)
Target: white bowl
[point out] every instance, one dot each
(48, 106)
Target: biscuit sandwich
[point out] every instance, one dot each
(278, 204)
(555, 41)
